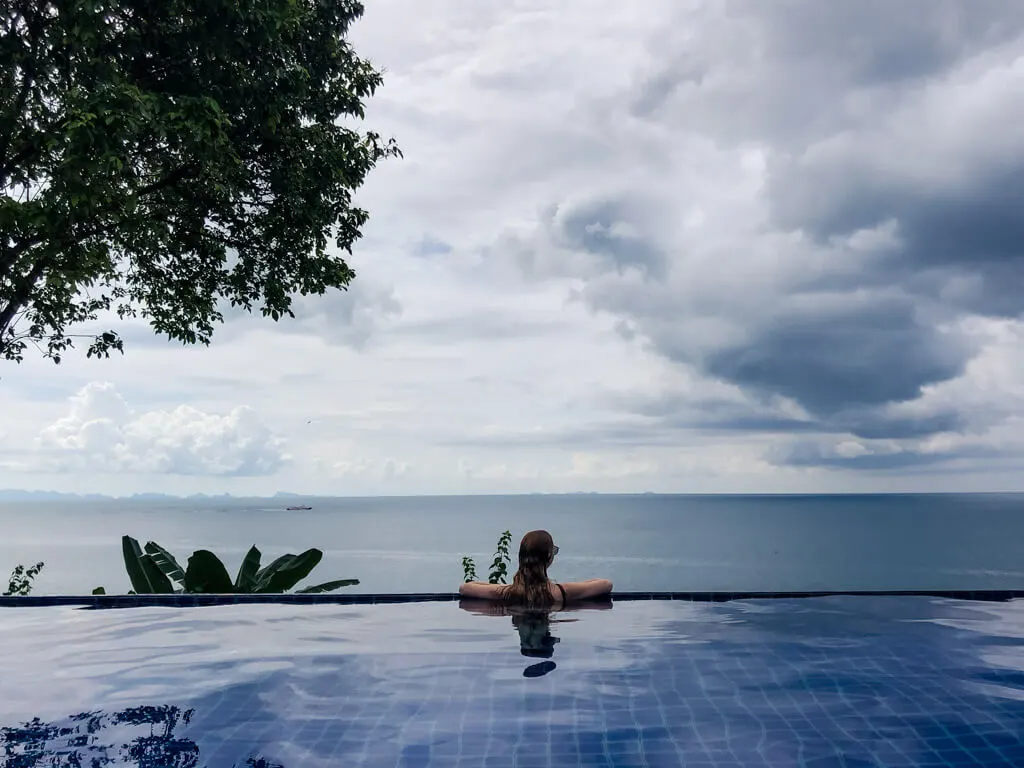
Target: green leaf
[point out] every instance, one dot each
(263, 573)
(133, 563)
(145, 576)
(288, 571)
(247, 571)
(166, 563)
(161, 585)
(327, 586)
(206, 574)
(267, 574)
(468, 569)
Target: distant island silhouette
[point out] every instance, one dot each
(16, 494)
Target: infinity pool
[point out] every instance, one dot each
(837, 681)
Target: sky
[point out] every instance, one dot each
(671, 246)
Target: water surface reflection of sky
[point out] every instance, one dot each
(868, 681)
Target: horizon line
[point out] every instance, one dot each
(11, 493)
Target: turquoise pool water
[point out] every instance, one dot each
(838, 681)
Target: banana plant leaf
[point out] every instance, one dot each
(167, 564)
(207, 574)
(327, 586)
(263, 573)
(146, 577)
(246, 580)
(161, 584)
(285, 572)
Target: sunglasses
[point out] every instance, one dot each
(554, 550)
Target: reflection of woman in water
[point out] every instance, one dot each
(531, 585)
(534, 633)
(534, 627)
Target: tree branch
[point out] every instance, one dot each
(179, 174)
(21, 294)
(28, 80)
(25, 284)
(11, 255)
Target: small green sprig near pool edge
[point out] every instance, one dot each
(500, 566)
(154, 571)
(20, 582)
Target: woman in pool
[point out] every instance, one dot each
(531, 585)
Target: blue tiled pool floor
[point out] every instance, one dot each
(823, 682)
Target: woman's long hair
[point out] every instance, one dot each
(530, 584)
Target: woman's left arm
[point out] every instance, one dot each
(480, 589)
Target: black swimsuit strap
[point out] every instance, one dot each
(562, 590)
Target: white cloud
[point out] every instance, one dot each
(102, 434)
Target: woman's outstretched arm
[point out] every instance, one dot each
(584, 590)
(480, 589)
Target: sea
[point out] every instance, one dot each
(640, 542)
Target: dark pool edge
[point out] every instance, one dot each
(177, 601)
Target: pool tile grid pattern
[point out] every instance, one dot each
(762, 693)
(681, 708)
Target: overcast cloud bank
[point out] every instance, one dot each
(698, 246)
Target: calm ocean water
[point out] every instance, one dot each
(640, 542)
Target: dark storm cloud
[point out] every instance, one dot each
(852, 101)
(811, 455)
(934, 147)
(879, 42)
(831, 360)
(973, 230)
(844, 358)
(684, 414)
(712, 414)
(592, 228)
(609, 230)
(873, 425)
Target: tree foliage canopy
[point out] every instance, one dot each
(158, 157)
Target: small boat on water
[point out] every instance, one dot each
(297, 508)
